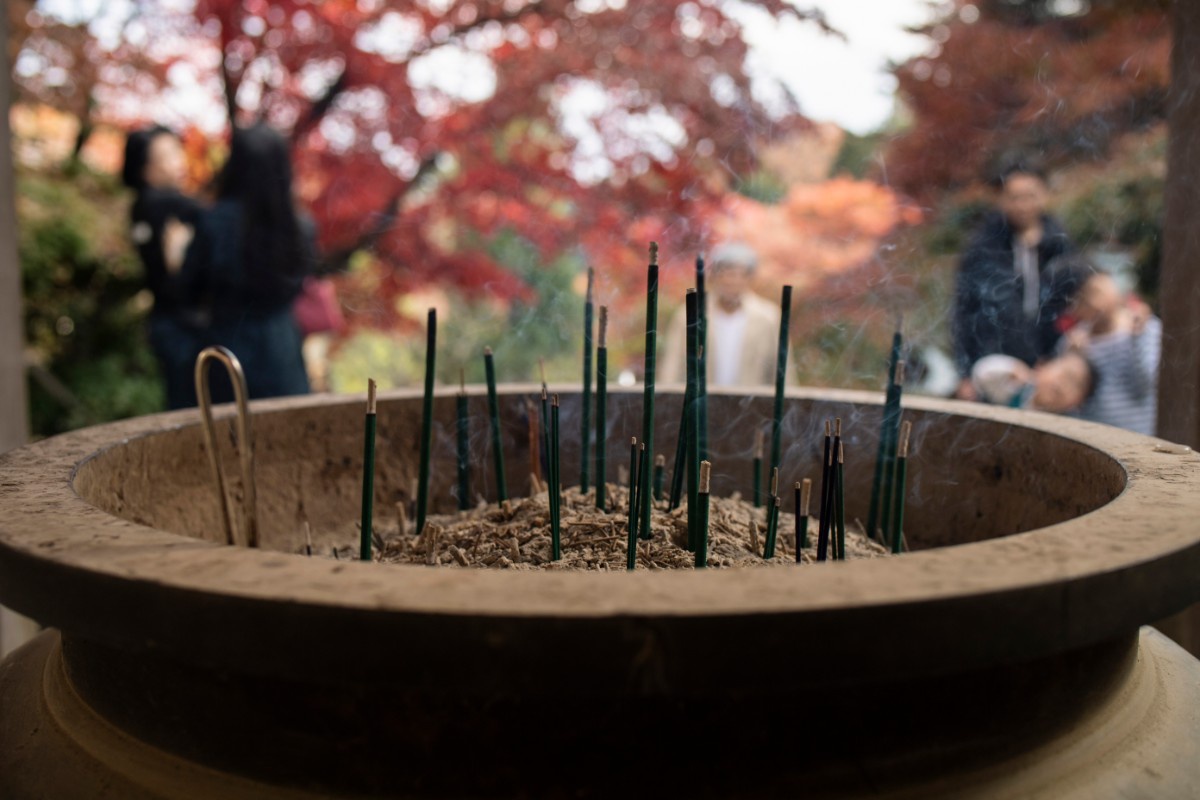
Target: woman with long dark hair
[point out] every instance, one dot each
(160, 218)
(249, 259)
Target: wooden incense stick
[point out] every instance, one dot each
(644, 530)
(901, 476)
(702, 530)
(463, 449)
(585, 426)
(632, 537)
(602, 411)
(368, 486)
(489, 370)
(881, 453)
(427, 420)
(781, 358)
(535, 446)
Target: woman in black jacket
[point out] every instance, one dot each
(249, 258)
(154, 168)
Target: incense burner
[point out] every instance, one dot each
(1004, 656)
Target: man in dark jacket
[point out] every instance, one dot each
(1011, 291)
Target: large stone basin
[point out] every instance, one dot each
(1004, 657)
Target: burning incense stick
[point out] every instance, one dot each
(602, 410)
(307, 538)
(489, 369)
(660, 469)
(463, 427)
(690, 416)
(631, 545)
(758, 468)
(702, 532)
(648, 402)
(881, 453)
(889, 457)
(785, 314)
(368, 487)
(535, 446)
(585, 429)
(826, 477)
(427, 420)
(545, 415)
(832, 488)
(772, 516)
(901, 476)
(555, 486)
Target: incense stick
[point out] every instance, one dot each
(489, 369)
(758, 467)
(585, 427)
(631, 544)
(427, 420)
(826, 477)
(602, 411)
(702, 353)
(804, 494)
(648, 401)
(772, 516)
(660, 469)
(463, 450)
(690, 417)
(897, 533)
(555, 485)
(702, 536)
(368, 487)
(889, 457)
(881, 452)
(841, 501)
(785, 314)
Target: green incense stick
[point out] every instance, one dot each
(897, 533)
(803, 495)
(648, 401)
(680, 466)
(889, 457)
(881, 453)
(585, 428)
(555, 485)
(702, 351)
(690, 421)
(631, 544)
(758, 467)
(489, 368)
(602, 411)
(772, 516)
(368, 486)
(463, 428)
(702, 532)
(840, 512)
(427, 420)
(785, 314)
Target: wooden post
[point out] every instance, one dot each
(1179, 293)
(14, 413)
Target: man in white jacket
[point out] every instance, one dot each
(743, 328)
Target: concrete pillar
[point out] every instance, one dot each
(14, 413)
(1179, 296)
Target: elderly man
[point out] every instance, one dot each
(743, 329)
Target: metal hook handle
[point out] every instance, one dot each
(245, 443)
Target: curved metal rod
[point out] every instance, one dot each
(245, 443)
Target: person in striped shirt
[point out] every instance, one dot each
(1122, 340)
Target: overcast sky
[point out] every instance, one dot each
(842, 81)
